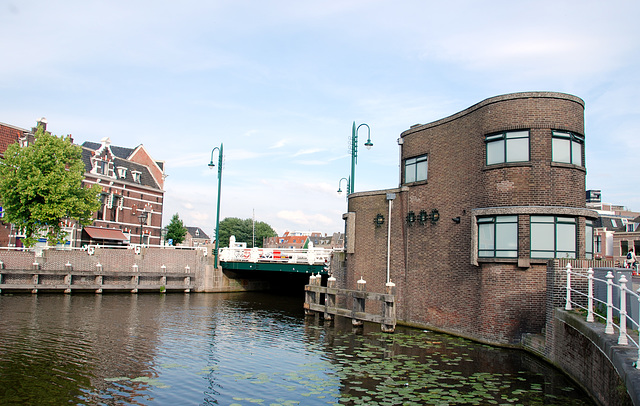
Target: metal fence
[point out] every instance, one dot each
(611, 301)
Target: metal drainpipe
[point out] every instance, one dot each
(390, 197)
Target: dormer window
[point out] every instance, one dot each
(136, 176)
(122, 172)
(197, 233)
(103, 167)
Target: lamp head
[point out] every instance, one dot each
(368, 144)
(211, 165)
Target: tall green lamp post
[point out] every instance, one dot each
(211, 166)
(354, 153)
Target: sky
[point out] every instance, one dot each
(280, 84)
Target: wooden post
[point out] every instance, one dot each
(389, 309)
(359, 299)
(309, 296)
(330, 298)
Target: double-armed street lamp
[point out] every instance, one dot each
(211, 166)
(351, 182)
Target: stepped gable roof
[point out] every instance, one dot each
(146, 179)
(192, 232)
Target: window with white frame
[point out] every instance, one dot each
(553, 237)
(498, 237)
(137, 176)
(415, 169)
(567, 147)
(511, 146)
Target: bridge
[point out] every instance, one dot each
(302, 261)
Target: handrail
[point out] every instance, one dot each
(281, 255)
(623, 336)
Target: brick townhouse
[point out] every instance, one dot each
(486, 197)
(132, 194)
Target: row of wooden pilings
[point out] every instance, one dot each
(386, 317)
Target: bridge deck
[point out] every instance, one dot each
(274, 267)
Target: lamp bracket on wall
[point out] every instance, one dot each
(378, 220)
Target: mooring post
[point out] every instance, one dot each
(389, 309)
(99, 283)
(330, 298)
(67, 281)
(359, 298)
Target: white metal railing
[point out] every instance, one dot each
(620, 307)
(312, 256)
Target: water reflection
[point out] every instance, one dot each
(245, 349)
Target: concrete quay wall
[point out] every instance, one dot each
(118, 269)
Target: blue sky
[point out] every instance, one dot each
(281, 82)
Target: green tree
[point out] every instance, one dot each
(243, 231)
(176, 230)
(41, 185)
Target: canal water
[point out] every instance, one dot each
(246, 349)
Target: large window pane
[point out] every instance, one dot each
(542, 236)
(561, 150)
(421, 170)
(486, 240)
(495, 152)
(588, 239)
(566, 237)
(518, 150)
(576, 153)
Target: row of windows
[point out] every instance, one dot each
(510, 146)
(551, 237)
(513, 146)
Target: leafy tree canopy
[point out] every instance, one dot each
(41, 185)
(176, 230)
(243, 231)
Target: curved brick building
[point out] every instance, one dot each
(487, 196)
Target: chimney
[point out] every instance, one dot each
(42, 122)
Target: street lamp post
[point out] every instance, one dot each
(340, 182)
(211, 166)
(354, 153)
(143, 219)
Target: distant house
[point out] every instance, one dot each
(615, 231)
(298, 239)
(195, 237)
